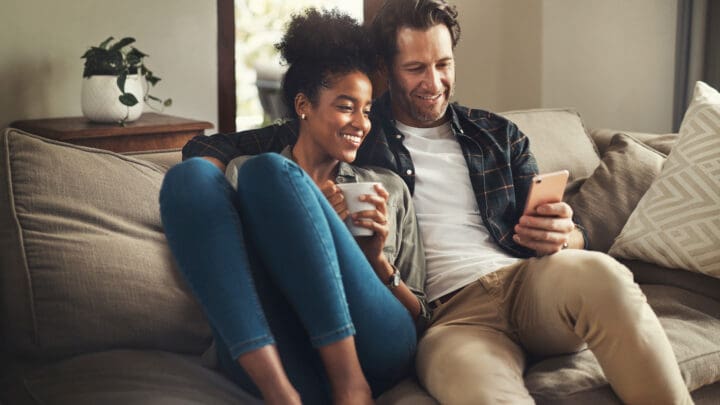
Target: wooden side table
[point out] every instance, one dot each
(151, 131)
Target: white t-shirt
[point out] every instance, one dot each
(458, 247)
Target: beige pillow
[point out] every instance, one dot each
(558, 140)
(608, 197)
(85, 265)
(677, 223)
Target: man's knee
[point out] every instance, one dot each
(459, 365)
(592, 275)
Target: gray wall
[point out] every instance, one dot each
(41, 42)
(611, 60)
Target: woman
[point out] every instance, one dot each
(300, 310)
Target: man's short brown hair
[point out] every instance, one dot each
(415, 14)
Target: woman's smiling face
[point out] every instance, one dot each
(337, 122)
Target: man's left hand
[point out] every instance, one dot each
(548, 230)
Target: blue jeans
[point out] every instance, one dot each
(273, 264)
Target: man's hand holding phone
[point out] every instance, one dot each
(546, 225)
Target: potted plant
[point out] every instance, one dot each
(115, 80)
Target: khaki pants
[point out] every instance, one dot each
(474, 350)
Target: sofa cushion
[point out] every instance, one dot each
(691, 322)
(85, 264)
(677, 223)
(132, 377)
(648, 273)
(608, 197)
(558, 140)
(662, 143)
(165, 158)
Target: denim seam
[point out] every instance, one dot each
(333, 336)
(243, 347)
(287, 166)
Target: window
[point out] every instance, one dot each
(258, 25)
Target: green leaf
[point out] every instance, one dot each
(89, 52)
(103, 44)
(133, 60)
(152, 79)
(137, 52)
(122, 43)
(121, 82)
(128, 99)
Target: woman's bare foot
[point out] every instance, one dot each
(264, 367)
(349, 386)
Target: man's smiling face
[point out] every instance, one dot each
(422, 77)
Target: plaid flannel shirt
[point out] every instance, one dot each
(497, 153)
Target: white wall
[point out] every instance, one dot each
(611, 60)
(41, 42)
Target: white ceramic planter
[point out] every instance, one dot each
(100, 99)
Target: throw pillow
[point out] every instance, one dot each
(608, 197)
(84, 262)
(677, 223)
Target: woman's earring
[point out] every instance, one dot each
(303, 116)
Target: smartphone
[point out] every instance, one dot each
(546, 188)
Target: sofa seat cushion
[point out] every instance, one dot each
(692, 323)
(132, 377)
(85, 263)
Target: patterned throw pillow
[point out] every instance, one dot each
(677, 222)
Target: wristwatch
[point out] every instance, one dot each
(394, 279)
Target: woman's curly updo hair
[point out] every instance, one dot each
(319, 45)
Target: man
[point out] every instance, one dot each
(491, 308)
(501, 283)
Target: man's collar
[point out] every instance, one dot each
(382, 109)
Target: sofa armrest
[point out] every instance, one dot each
(164, 158)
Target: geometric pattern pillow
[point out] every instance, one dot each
(677, 222)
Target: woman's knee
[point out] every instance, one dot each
(261, 170)
(191, 185)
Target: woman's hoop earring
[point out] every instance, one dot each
(303, 116)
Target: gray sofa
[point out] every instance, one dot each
(92, 310)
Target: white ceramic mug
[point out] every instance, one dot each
(352, 193)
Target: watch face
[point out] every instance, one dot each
(395, 280)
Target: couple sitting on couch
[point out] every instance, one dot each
(302, 311)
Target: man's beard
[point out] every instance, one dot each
(418, 114)
(431, 115)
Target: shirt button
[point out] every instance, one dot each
(408, 172)
(398, 136)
